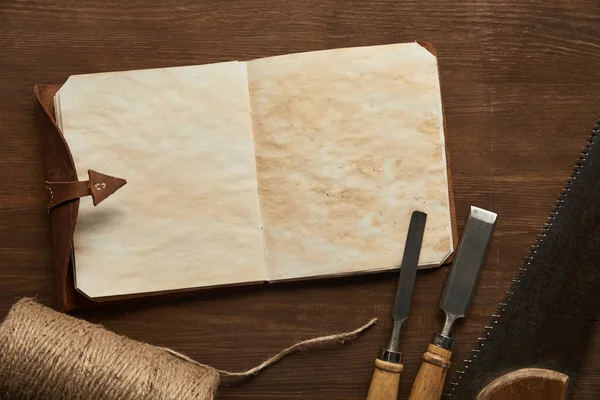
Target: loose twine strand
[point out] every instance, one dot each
(46, 355)
(300, 346)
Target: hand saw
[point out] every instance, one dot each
(535, 343)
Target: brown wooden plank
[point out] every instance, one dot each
(521, 83)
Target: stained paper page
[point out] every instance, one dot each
(349, 142)
(188, 216)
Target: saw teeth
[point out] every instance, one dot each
(528, 258)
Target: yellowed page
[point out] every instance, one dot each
(348, 143)
(188, 216)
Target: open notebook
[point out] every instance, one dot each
(288, 167)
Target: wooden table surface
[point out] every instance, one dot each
(521, 86)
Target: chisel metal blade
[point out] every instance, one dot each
(408, 272)
(410, 262)
(467, 265)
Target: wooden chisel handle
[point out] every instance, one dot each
(385, 381)
(429, 383)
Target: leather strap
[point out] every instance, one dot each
(99, 186)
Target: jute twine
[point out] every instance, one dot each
(48, 355)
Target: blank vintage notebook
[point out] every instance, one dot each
(291, 167)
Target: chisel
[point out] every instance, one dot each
(386, 377)
(461, 283)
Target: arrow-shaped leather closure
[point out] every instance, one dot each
(99, 186)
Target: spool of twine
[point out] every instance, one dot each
(48, 355)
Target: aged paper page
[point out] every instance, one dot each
(349, 142)
(188, 216)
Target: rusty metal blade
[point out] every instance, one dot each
(549, 315)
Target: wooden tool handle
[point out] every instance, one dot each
(527, 384)
(385, 381)
(429, 382)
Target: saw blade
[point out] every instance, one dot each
(549, 314)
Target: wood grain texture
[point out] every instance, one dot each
(385, 381)
(520, 82)
(430, 379)
(527, 384)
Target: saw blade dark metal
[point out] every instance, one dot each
(548, 316)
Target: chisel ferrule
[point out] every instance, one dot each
(391, 356)
(443, 341)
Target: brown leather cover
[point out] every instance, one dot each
(64, 191)
(61, 192)
(100, 186)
